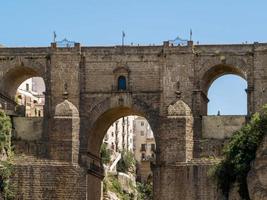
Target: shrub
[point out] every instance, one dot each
(105, 154)
(6, 166)
(112, 184)
(127, 162)
(145, 191)
(238, 154)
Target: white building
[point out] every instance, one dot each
(30, 94)
(144, 148)
(119, 136)
(144, 142)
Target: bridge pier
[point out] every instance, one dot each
(184, 181)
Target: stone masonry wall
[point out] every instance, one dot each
(184, 182)
(28, 128)
(156, 77)
(45, 179)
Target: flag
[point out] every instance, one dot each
(123, 34)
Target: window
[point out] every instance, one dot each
(106, 137)
(142, 123)
(122, 83)
(142, 133)
(143, 156)
(153, 147)
(27, 87)
(143, 147)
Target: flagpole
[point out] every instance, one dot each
(54, 36)
(122, 39)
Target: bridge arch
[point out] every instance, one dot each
(15, 76)
(212, 73)
(105, 115)
(217, 71)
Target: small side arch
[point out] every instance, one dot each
(15, 76)
(214, 72)
(217, 71)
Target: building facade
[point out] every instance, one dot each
(30, 95)
(119, 136)
(144, 148)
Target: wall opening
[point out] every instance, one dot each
(121, 83)
(30, 97)
(227, 96)
(127, 150)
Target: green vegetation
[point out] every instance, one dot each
(239, 153)
(105, 154)
(112, 184)
(6, 166)
(145, 191)
(127, 162)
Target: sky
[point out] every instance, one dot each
(101, 22)
(227, 95)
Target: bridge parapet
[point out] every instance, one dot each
(221, 127)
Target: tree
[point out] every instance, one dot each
(6, 166)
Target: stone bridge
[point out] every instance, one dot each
(88, 88)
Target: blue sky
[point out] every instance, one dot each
(100, 22)
(227, 95)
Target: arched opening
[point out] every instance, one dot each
(225, 89)
(10, 98)
(227, 96)
(121, 83)
(224, 100)
(30, 97)
(127, 150)
(125, 136)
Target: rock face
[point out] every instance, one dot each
(257, 177)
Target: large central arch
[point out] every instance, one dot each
(111, 109)
(104, 114)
